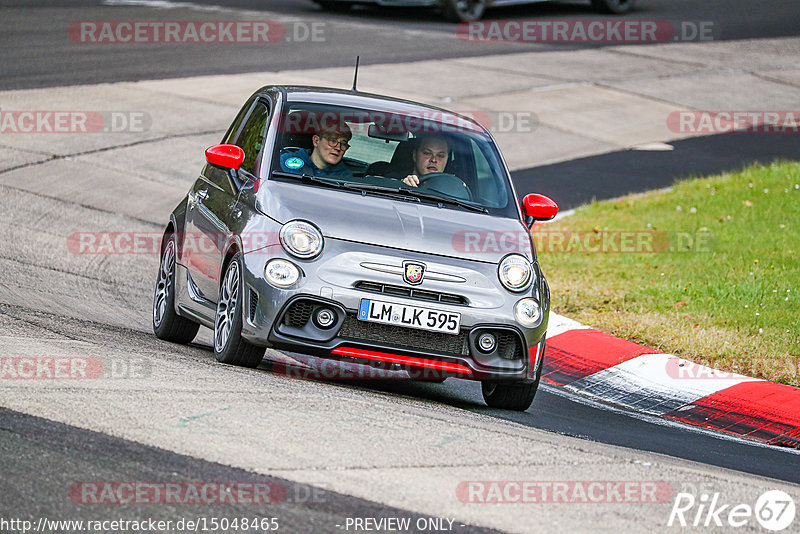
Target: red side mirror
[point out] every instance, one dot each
(228, 156)
(539, 207)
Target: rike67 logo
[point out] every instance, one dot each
(774, 510)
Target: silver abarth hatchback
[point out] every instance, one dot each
(364, 229)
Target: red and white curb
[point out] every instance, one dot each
(613, 370)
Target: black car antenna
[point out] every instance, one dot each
(355, 76)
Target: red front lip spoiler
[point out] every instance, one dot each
(404, 360)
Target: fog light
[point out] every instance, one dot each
(487, 342)
(324, 318)
(527, 312)
(281, 273)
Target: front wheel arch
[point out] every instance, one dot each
(168, 231)
(234, 349)
(232, 251)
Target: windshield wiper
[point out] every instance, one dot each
(393, 192)
(444, 200)
(382, 189)
(415, 194)
(308, 179)
(363, 188)
(358, 186)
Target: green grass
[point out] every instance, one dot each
(730, 300)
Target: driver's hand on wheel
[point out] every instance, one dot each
(412, 180)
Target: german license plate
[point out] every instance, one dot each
(409, 316)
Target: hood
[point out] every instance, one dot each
(382, 221)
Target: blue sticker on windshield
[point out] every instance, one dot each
(294, 163)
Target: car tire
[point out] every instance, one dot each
(616, 7)
(229, 345)
(167, 324)
(463, 10)
(334, 7)
(512, 395)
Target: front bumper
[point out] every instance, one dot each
(421, 353)
(282, 318)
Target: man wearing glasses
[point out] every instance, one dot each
(325, 159)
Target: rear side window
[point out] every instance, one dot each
(251, 138)
(488, 188)
(233, 131)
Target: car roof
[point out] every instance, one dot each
(370, 101)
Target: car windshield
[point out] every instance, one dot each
(452, 162)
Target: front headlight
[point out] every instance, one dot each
(515, 272)
(527, 312)
(301, 239)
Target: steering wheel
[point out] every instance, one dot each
(446, 183)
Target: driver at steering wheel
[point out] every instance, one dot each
(430, 156)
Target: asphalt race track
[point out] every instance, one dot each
(331, 451)
(35, 55)
(61, 450)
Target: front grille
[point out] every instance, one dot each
(509, 347)
(298, 314)
(408, 338)
(409, 292)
